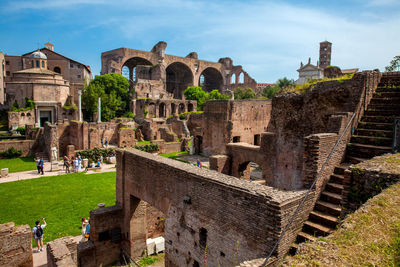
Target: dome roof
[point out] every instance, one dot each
(38, 54)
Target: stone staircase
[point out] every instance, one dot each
(372, 137)
(42, 155)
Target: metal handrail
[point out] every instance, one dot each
(309, 190)
(396, 135)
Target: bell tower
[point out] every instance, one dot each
(325, 49)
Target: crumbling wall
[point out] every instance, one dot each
(205, 208)
(62, 252)
(16, 245)
(21, 118)
(24, 145)
(126, 137)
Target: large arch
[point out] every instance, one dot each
(131, 65)
(212, 79)
(179, 77)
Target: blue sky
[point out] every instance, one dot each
(268, 38)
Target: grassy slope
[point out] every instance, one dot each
(368, 237)
(18, 164)
(63, 200)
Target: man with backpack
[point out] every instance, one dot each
(41, 165)
(38, 234)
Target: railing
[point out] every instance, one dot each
(309, 190)
(396, 135)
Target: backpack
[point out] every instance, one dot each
(39, 231)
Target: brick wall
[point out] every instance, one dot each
(24, 145)
(232, 212)
(16, 245)
(62, 252)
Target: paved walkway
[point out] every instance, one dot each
(16, 176)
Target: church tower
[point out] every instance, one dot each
(325, 49)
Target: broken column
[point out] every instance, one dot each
(99, 110)
(79, 105)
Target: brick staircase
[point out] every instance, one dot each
(42, 155)
(372, 137)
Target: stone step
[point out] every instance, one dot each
(383, 106)
(379, 119)
(329, 208)
(323, 219)
(387, 89)
(336, 178)
(316, 229)
(341, 168)
(303, 237)
(373, 132)
(371, 140)
(381, 100)
(334, 188)
(366, 151)
(376, 125)
(355, 160)
(331, 197)
(392, 112)
(386, 94)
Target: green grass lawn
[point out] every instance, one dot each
(63, 200)
(174, 155)
(18, 164)
(143, 142)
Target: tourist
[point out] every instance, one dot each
(38, 234)
(106, 143)
(41, 165)
(37, 165)
(198, 163)
(101, 141)
(76, 162)
(101, 158)
(87, 229)
(98, 165)
(79, 163)
(66, 164)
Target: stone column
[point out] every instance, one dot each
(79, 105)
(36, 117)
(99, 110)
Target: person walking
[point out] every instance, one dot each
(37, 165)
(38, 234)
(66, 164)
(106, 143)
(41, 165)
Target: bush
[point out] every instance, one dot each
(183, 115)
(95, 153)
(148, 148)
(129, 115)
(12, 153)
(21, 130)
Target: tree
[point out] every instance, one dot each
(244, 93)
(270, 91)
(112, 88)
(196, 93)
(394, 65)
(284, 82)
(215, 95)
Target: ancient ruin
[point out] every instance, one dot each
(157, 75)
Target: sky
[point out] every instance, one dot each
(268, 38)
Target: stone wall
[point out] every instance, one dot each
(204, 207)
(24, 145)
(16, 245)
(226, 121)
(21, 118)
(62, 252)
(367, 179)
(126, 137)
(169, 147)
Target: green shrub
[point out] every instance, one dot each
(95, 153)
(183, 116)
(148, 148)
(12, 153)
(21, 130)
(128, 115)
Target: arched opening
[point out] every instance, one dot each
(212, 79)
(181, 108)
(57, 69)
(173, 109)
(198, 141)
(130, 72)
(201, 82)
(233, 79)
(161, 110)
(179, 77)
(250, 171)
(241, 78)
(190, 107)
(125, 72)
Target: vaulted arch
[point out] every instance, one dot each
(211, 79)
(179, 77)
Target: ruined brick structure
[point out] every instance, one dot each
(235, 219)
(62, 252)
(16, 245)
(161, 108)
(157, 75)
